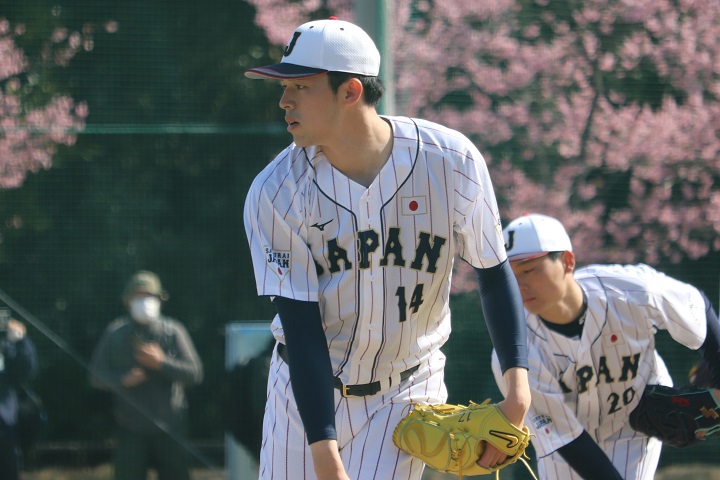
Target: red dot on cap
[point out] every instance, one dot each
(613, 338)
(332, 17)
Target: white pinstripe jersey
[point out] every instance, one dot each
(378, 259)
(593, 382)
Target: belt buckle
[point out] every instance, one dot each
(343, 391)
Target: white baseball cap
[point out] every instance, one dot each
(324, 46)
(534, 235)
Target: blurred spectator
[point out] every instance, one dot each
(18, 365)
(147, 360)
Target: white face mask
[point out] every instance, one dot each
(145, 309)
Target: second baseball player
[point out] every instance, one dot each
(591, 341)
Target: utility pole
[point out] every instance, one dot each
(375, 17)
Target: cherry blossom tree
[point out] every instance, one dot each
(603, 113)
(34, 123)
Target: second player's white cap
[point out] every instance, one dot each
(324, 46)
(534, 235)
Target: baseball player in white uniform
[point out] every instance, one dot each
(353, 229)
(592, 351)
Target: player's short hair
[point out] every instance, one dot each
(373, 88)
(555, 255)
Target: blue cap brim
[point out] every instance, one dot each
(282, 70)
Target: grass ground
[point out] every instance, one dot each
(104, 472)
(678, 472)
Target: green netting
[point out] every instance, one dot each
(157, 179)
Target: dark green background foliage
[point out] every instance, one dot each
(157, 181)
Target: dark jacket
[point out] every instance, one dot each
(19, 364)
(160, 401)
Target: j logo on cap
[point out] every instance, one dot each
(534, 235)
(289, 47)
(510, 240)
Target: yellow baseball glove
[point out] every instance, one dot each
(451, 438)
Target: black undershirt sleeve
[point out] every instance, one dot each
(710, 349)
(310, 368)
(504, 314)
(588, 459)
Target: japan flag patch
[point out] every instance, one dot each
(278, 261)
(414, 205)
(613, 339)
(542, 423)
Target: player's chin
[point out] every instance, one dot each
(529, 302)
(532, 306)
(301, 142)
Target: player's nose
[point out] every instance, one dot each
(285, 101)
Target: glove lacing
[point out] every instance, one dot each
(456, 454)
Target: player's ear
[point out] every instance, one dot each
(568, 259)
(353, 90)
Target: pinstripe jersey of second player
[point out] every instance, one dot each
(593, 382)
(378, 259)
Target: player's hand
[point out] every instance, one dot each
(15, 330)
(327, 462)
(134, 377)
(512, 411)
(514, 407)
(150, 355)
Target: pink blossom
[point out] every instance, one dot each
(111, 26)
(31, 133)
(550, 120)
(59, 35)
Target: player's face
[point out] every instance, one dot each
(543, 284)
(310, 109)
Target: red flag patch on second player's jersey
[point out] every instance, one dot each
(414, 205)
(278, 261)
(612, 339)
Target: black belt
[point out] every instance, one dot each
(361, 390)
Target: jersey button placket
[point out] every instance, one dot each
(370, 289)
